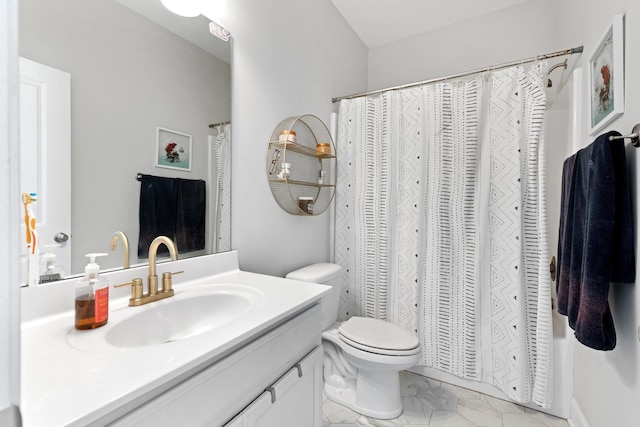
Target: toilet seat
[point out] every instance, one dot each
(379, 337)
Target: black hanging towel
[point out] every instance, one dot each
(190, 215)
(157, 211)
(171, 207)
(595, 243)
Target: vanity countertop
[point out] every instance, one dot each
(64, 385)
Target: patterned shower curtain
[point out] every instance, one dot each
(220, 227)
(440, 224)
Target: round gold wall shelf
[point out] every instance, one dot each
(301, 165)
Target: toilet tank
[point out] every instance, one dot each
(328, 274)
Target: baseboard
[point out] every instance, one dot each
(577, 418)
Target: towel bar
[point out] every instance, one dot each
(634, 136)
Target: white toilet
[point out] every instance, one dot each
(362, 357)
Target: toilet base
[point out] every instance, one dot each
(377, 394)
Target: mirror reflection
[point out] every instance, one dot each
(112, 91)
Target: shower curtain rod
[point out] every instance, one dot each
(578, 49)
(212, 125)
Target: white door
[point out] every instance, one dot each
(45, 156)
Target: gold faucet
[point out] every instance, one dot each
(154, 294)
(166, 277)
(125, 246)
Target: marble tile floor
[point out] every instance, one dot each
(436, 404)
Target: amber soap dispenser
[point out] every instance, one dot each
(92, 296)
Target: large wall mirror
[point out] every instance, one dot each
(138, 76)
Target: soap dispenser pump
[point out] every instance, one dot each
(92, 296)
(50, 270)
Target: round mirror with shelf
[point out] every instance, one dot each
(301, 165)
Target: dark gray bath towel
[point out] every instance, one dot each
(156, 212)
(171, 207)
(190, 215)
(595, 244)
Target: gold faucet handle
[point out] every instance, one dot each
(167, 282)
(136, 289)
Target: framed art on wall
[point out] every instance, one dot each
(606, 77)
(173, 149)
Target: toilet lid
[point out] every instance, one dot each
(378, 334)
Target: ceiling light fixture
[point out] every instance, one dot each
(187, 8)
(219, 31)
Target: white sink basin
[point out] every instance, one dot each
(180, 317)
(178, 320)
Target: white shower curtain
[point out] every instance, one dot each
(220, 226)
(440, 224)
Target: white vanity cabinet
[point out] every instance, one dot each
(284, 363)
(293, 401)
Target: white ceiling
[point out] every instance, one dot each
(379, 22)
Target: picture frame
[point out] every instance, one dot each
(173, 149)
(606, 77)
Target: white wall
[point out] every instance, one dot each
(128, 75)
(290, 58)
(522, 31)
(9, 197)
(606, 384)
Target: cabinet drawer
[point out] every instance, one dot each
(294, 400)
